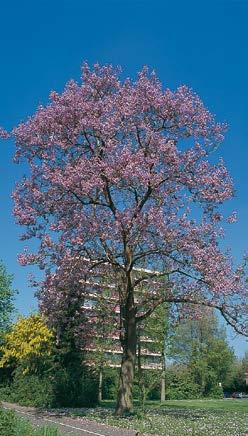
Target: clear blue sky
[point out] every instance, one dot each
(202, 44)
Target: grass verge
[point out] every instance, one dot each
(12, 425)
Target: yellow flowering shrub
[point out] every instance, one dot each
(29, 337)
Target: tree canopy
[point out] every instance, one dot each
(117, 170)
(201, 346)
(28, 338)
(7, 294)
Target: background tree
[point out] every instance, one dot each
(102, 315)
(201, 346)
(7, 294)
(117, 170)
(155, 329)
(27, 339)
(40, 373)
(236, 380)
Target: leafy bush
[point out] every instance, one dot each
(151, 380)
(216, 392)
(35, 371)
(12, 425)
(181, 386)
(147, 385)
(110, 383)
(29, 390)
(7, 423)
(27, 340)
(75, 389)
(60, 389)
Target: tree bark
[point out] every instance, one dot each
(100, 384)
(125, 394)
(162, 394)
(163, 381)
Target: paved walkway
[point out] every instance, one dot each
(67, 425)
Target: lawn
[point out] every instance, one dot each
(170, 418)
(227, 404)
(237, 405)
(181, 417)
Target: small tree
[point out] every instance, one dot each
(116, 172)
(41, 373)
(201, 346)
(28, 339)
(155, 329)
(6, 299)
(236, 380)
(104, 328)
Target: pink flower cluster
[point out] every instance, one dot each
(117, 170)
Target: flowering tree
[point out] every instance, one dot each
(28, 338)
(116, 172)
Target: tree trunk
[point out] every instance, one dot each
(163, 381)
(162, 394)
(140, 372)
(125, 394)
(100, 385)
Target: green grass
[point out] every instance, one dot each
(226, 405)
(170, 418)
(206, 404)
(12, 425)
(180, 417)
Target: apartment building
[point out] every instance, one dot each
(101, 308)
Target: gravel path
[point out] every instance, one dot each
(66, 425)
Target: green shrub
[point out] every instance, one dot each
(31, 390)
(50, 376)
(216, 392)
(12, 425)
(155, 392)
(181, 386)
(110, 383)
(147, 385)
(60, 388)
(75, 389)
(8, 423)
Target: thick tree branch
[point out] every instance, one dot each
(229, 318)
